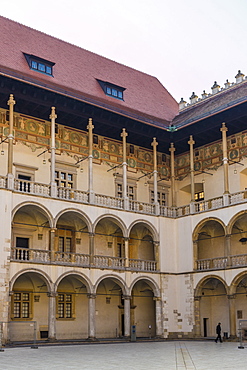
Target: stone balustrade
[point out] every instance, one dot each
(222, 262)
(24, 186)
(142, 265)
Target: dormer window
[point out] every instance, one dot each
(112, 90)
(38, 64)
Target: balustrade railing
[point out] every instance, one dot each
(109, 262)
(77, 259)
(239, 197)
(141, 207)
(142, 265)
(239, 260)
(31, 187)
(107, 201)
(30, 255)
(3, 182)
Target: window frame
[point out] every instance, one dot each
(112, 90)
(64, 303)
(21, 303)
(39, 64)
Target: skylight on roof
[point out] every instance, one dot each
(112, 90)
(40, 65)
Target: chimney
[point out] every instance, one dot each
(193, 98)
(204, 94)
(227, 84)
(215, 88)
(182, 104)
(239, 77)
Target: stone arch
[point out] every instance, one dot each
(236, 280)
(149, 226)
(43, 274)
(43, 209)
(234, 219)
(201, 283)
(115, 219)
(89, 285)
(77, 211)
(113, 277)
(203, 222)
(152, 283)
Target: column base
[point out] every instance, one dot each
(92, 339)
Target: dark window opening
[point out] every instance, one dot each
(38, 64)
(112, 90)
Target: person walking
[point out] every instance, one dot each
(218, 332)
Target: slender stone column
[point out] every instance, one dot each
(126, 251)
(192, 182)
(52, 316)
(52, 241)
(232, 315)
(172, 150)
(127, 300)
(195, 253)
(90, 128)
(157, 254)
(91, 316)
(228, 249)
(224, 130)
(91, 248)
(53, 184)
(156, 203)
(11, 103)
(158, 316)
(125, 196)
(197, 327)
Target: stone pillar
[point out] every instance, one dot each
(197, 326)
(172, 150)
(224, 130)
(127, 300)
(157, 254)
(52, 243)
(90, 160)
(192, 182)
(195, 253)
(91, 316)
(156, 203)
(53, 184)
(125, 196)
(10, 180)
(126, 251)
(228, 248)
(232, 315)
(52, 316)
(91, 248)
(158, 316)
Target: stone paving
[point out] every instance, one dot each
(178, 355)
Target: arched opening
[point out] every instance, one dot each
(141, 248)
(29, 304)
(143, 309)
(72, 308)
(211, 252)
(109, 309)
(213, 307)
(31, 235)
(238, 245)
(109, 244)
(72, 239)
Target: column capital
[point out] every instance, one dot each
(90, 125)
(124, 133)
(91, 296)
(172, 149)
(91, 235)
(11, 100)
(53, 114)
(154, 142)
(126, 297)
(197, 298)
(191, 141)
(157, 299)
(231, 296)
(224, 128)
(53, 229)
(52, 294)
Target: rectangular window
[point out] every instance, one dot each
(161, 198)
(21, 306)
(64, 306)
(130, 191)
(64, 179)
(199, 196)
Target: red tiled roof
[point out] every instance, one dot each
(76, 70)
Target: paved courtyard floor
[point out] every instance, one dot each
(146, 355)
